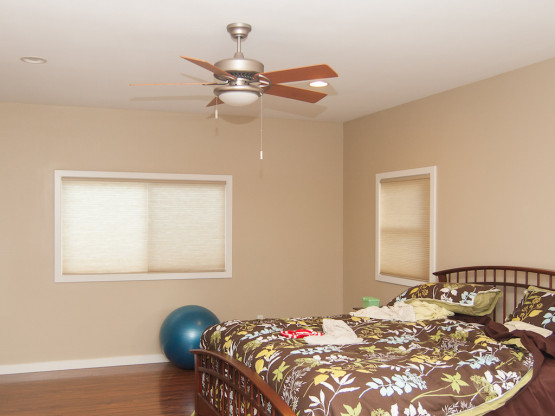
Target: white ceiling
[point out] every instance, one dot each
(386, 52)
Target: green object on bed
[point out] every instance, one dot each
(370, 301)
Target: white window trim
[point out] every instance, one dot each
(59, 277)
(432, 172)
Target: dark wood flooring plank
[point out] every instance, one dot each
(153, 390)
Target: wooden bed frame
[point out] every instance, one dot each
(230, 388)
(227, 387)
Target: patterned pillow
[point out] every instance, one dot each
(537, 308)
(468, 299)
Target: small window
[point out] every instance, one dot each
(405, 226)
(112, 226)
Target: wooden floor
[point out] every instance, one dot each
(153, 390)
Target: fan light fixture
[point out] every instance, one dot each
(238, 95)
(238, 98)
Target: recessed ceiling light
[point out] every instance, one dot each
(33, 60)
(318, 83)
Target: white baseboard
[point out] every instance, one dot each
(78, 364)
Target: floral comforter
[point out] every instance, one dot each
(441, 367)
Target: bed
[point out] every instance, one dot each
(467, 364)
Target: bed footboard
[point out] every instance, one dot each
(226, 387)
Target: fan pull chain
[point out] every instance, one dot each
(216, 110)
(261, 151)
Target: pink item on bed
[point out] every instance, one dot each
(300, 333)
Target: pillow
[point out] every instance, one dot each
(465, 298)
(540, 289)
(537, 308)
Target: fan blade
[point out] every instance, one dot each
(175, 83)
(214, 101)
(300, 74)
(285, 91)
(209, 66)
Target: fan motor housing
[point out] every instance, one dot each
(240, 66)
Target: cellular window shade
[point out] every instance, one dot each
(140, 227)
(404, 227)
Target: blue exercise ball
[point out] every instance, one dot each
(181, 331)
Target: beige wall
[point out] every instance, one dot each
(493, 143)
(287, 225)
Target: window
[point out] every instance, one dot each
(113, 226)
(405, 225)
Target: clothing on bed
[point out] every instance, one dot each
(415, 311)
(336, 332)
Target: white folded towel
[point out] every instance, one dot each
(335, 333)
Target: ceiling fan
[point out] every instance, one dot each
(241, 81)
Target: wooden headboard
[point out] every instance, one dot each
(512, 281)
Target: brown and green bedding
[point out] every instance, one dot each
(438, 367)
